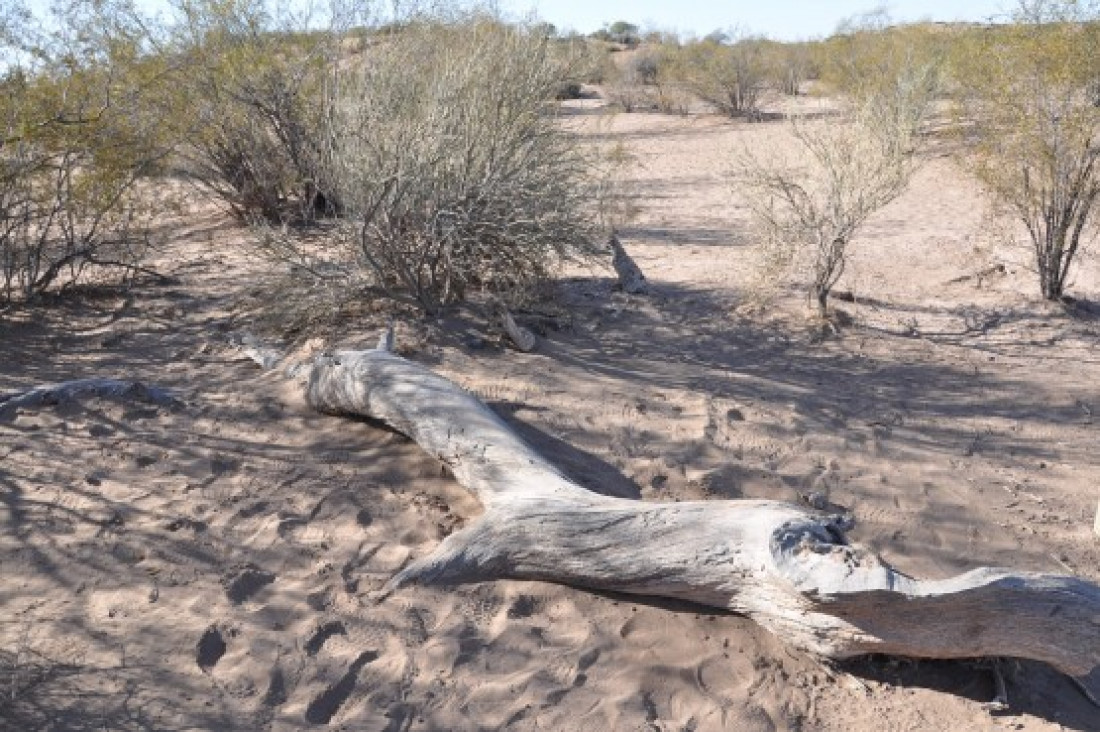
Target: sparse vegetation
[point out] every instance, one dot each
(635, 83)
(257, 92)
(885, 67)
(790, 66)
(731, 75)
(555, 284)
(438, 169)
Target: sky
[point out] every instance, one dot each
(786, 20)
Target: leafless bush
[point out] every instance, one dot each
(452, 169)
(53, 229)
(807, 211)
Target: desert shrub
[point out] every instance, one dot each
(615, 191)
(1028, 95)
(732, 76)
(451, 168)
(255, 92)
(789, 66)
(807, 208)
(81, 126)
(633, 86)
(587, 58)
(869, 57)
(645, 66)
(581, 61)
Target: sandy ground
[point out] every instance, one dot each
(216, 566)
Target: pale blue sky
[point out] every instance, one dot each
(780, 19)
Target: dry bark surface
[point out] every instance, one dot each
(221, 562)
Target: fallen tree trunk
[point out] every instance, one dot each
(67, 391)
(788, 568)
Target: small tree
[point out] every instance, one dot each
(623, 32)
(82, 124)
(1037, 128)
(731, 76)
(808, 211)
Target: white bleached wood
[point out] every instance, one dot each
(67, 391)
(787, 567)
(630, 274)
(523, 339)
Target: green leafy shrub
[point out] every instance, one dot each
(1028, 93)
(83, 122)
(255, 89)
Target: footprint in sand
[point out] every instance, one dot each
(325, 631)
(587, 659)
(245, 582)
(210, 649)
(524, 607)
(276, 694)
(325, 705)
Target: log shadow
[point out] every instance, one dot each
(580, 466)
(1033, 688)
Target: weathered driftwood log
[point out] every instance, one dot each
(523, 339)
(788, 568)
(51, 394)
(630, 274)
